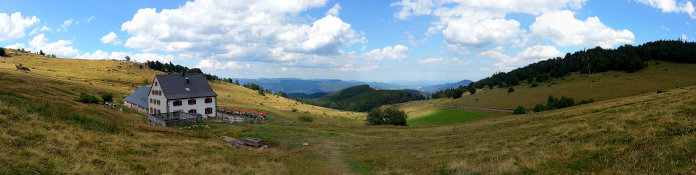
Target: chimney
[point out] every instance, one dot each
(187, 80)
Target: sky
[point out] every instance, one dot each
(398, 41)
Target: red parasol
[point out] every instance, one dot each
(253, 111)
(262, 113)
(236, 109)
(244, 110)
(229, 108)
(220, 107)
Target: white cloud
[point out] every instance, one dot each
(15, 46)
(684, 37)
(539, 52)
(138, 57)
(671, 6)
(111, 38)
(89, 20)
(463, 34)
(283, 69)
(334, 10)
(14, 25)
(478, 24)
(217, 65)
(62, 48)
(352, 68)
(484, 69)
(446, 61)
(66, 24)
(244, 30)
(527, 56)
(389, 52)
(564, 30)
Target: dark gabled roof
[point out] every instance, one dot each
(139, 96)
(174, 86)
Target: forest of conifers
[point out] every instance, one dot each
(624, 58)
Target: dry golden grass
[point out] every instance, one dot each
(607, 85)
(645, 134)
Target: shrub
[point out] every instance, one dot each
(660, 91)
(294, 109)
(2, 52)
(519, 110)
(389, 116)
(585, 101)
(107, 97)
(22, 68)
(534, 85)
(539, 108)
(555, 103)
(510, 90)
(305, 118)
(86, 98)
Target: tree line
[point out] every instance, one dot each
(626, 58)
(363, 98)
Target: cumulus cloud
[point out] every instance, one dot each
(14, 25)
(61, 48)
(217, 65)
(334, 10)
(65, 24)
(671, 6)
(684, 37)
(463, 34)
(539, 52)
(137, 57)
(527, 56)
(563, 29)
(389, 52)
(484, 69)
(477, 24)
(446, 61)
(111, 38)
(245, 30)
(15, 46)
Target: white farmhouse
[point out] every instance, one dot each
(189, 93)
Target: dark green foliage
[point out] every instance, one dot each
(305, 118)
(472, 91)
(41, 53)
(2, 52)
(454, 92)
(659, 91)
(261, 92)
(107, 97)
(86, 98)
(253, 86)
(294, 109)
(510, 90)
(625, 58)
(169, 67)
(519, 110)
(539, 108)
(564, 102)
(281, 93)
(585, 101)
(389, 116)
(145, 83)
(236, 82)
(128, 60)
(534, 85)
(22, 68)
(363, 98)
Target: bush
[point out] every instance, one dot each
(510, 90)
(305, 118)
(22, 68)
(585, 101)
(389, 116)
(294, 109)
(564, 102)
(2, 52)
(534, 85)
(539, 108)
(86, 98)
(107, 97)
(660, 91)
(519, 110)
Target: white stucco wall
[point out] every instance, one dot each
(199, 106)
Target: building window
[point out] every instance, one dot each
(192, 111)
(208, 100)
(192, 101)
(150, 100)
(155, 83)
(158, 102)
(177, 103)
(158, 111)
(208, 110)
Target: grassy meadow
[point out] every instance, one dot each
(444, 116)
(43, 131)
(606, 85)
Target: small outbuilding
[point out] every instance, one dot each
(138, 100)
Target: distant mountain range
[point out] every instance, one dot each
(315, 88)
(363, 98)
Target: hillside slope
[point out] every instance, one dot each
(364, 98)
(605, 85)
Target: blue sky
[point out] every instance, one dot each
(403, 41)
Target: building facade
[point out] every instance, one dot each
(189, 93)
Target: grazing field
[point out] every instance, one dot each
(606, 85)
(43, 131)
(444, 116)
